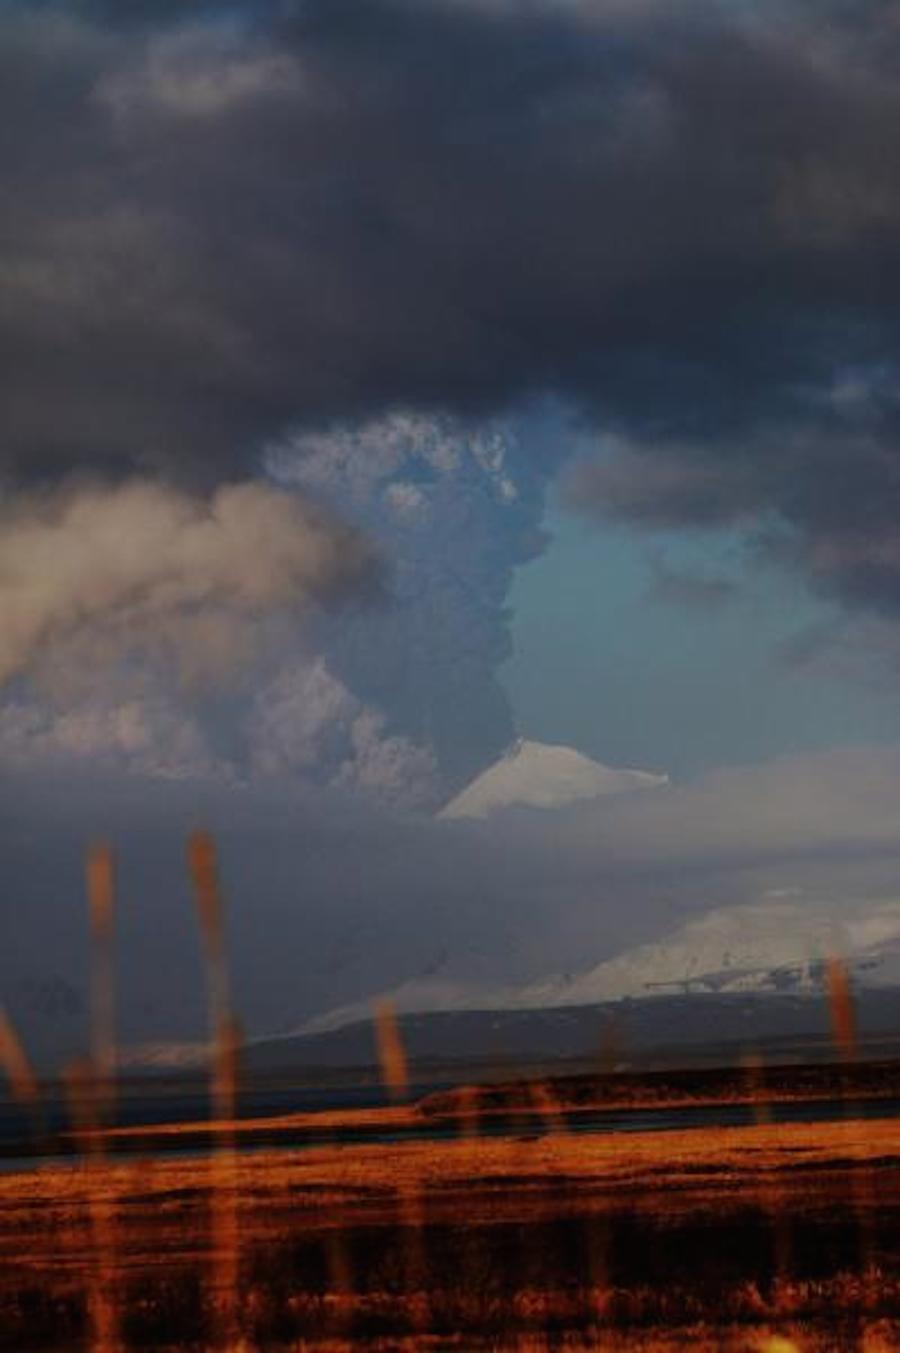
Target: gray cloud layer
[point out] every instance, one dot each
(330, 904)
(214, 227)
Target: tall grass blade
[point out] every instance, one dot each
(841, 1008)
(100, 880)
(410, 1205)
(771, 1194)
(19, 1072)
(844, 1034)
(391, 1052)
(85, 1097)
(224, 1035)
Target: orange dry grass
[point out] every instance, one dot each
(618, 1161)
(162, 1222)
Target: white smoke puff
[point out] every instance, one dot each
(359, 460)
(294, 719)
(142, 565)
(389, 769)
(308, 724)
(406, 500)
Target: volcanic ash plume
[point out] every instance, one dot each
(455, 508)
(142, 566)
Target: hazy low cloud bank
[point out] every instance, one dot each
(330, 904)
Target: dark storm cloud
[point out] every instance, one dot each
(818, 490)
(214, 225)
(219, 221)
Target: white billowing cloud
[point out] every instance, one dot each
(143, 736)
(390, 769)
(294, 718)
(302, 726)
(144, 566)
(307, 723)
(366, 460)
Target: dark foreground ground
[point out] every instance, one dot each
(765, 1237)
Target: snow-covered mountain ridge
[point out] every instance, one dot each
(776, 945)
(772, 945)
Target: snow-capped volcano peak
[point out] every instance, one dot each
(537, 775)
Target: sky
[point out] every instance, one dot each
(673, 656)
(386, 380)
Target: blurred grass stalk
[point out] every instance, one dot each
(224, 1036)
(841, 1009)
(100, 880)
(91, 1091)
(23, 1082)
(391, 1052)
(85, 1098)
(410, 1203)
(771, 1194)
(18, 1070)
(844, 1035)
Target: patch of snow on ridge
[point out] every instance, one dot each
(161, 1056)
(537, 775)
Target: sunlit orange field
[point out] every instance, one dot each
(730, 1238)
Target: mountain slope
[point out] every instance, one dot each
(537, 775)
(772, 947)
(768, 946)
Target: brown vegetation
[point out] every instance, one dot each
(506, 1232)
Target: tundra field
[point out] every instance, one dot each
(771, 1236)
